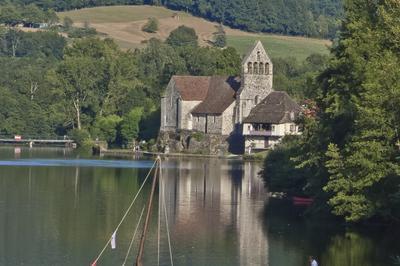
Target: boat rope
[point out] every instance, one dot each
(133, 237)
(166, 216)
(159, 217)
(126, 214)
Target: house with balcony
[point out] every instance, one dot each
(270, 121)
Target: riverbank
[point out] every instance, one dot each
(131, 152)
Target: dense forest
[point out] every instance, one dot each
(348, 158)
(319, 18)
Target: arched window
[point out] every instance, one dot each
(250, 68)
(258, 56)
(266, 68)
(256, 99)
(255, 67)
(261, 71)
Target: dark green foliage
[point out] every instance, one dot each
(351, 149)
(151, 26)
(182, 36)
(220, 37)
(79, 136)
(280, 172)
(29, 15)
(31, 44)
(82, 32)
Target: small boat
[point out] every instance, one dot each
(302, 200)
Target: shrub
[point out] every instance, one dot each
(151, 26)
(80, 136)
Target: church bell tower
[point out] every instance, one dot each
(256, 82)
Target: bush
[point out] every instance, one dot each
(183, 36)
(80, 136)
(82, 32)
(151, 26)
(198, 136)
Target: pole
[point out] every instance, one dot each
(146, 223)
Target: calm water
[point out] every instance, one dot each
(59, 209)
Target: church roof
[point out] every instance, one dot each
(221, 94)
(192, 88)
(276, 108)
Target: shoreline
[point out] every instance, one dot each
(119, 152)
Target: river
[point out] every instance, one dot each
(60, 208)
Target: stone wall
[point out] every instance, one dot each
(228, 120)
(186, 119)
(193, 142)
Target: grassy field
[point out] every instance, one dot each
(281, 46)
(124, 24)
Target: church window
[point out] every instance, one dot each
(261, 71)
(258, 56)
(266, 68)
(255, 66)
(213, 118)
(250, 68)
(256, 100)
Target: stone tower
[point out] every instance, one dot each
(256, 82)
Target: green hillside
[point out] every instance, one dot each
(124, 24)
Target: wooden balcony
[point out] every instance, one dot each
(265, 133)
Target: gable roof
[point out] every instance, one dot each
(221, 94)
(192, 88)
(257, 45)
(276, 108)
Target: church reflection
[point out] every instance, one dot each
(210, 196)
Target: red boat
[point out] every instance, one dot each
(302, 201)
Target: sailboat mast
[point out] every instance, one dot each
(146, 224)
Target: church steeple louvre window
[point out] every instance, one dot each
(255, 66)
(250, 68)
(261, 71)
(258, 56)
(266, 68)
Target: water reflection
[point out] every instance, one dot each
(218, 215)
(221, 202)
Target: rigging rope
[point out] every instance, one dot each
(126, 213)
(133, 237)
(159, 216)
(166, 216)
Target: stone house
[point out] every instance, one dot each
(273, 118)
(218, 105)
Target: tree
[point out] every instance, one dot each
(151, 26)
(78, 77)
(106, 128)
(182, 36)
(130, 124)
(67, 23)
(220, 37)
(354, 140)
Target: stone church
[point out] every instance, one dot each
(222, 106)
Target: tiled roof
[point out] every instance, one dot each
(276, 108)
(192, 88)
(221, 94)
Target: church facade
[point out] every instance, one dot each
(221, 104)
